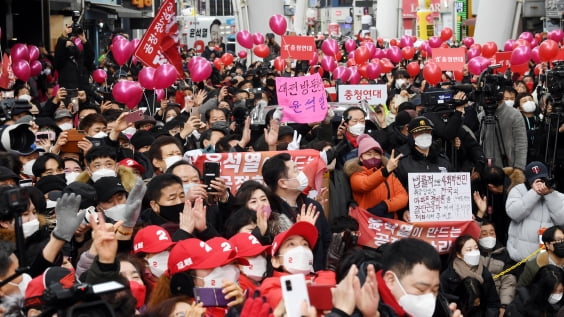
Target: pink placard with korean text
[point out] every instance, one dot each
(303, 99)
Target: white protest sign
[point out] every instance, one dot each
(440, 197)
(373, 94)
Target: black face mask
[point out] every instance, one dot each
(172, 213)
(559, 249)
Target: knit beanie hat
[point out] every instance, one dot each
(367, 143)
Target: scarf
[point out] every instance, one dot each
(386, 295)
(351, 139)
(463, 270)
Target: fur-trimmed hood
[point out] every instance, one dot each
(9, 234)
(516, 175)
(126, 174)
(353, 165)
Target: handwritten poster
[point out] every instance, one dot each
(373, 94)
(439, 197)
(303, 99)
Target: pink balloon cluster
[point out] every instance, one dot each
(24, 61)
(128, 92)
(157, 78)
(477, 64)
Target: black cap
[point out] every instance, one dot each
(21, 106)
(6, 173)
(106, 187)
(419, 124)
(142, 138)
(51, 182)
(536, 170)
(88, 194)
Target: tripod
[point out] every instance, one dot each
(554, 120)
(491, 136)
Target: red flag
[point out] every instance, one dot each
(160, 45)
(7, 77)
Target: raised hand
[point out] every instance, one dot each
(393, 161)
(309, 215)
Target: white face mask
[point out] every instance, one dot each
(65, 126)
(25, 97)
(129, 131)
(255, 271)
(357, 129)
(423, 141)
(400, 83)
(50, 204)
(103, 172)
(529, 106)
(554, 298)
(487, 242)
(509, 103)
(472, 258)
(158, 263)
(227, 272)
(298, 260)
(417, 305)
(47, 71)
(27, 168)
(22, 286)
(116, 212)
(303, 182)
(171, 160)
(100, 135)
(71, 177)
(187, 187)
(30, 227)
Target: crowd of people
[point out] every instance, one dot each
(93, 196)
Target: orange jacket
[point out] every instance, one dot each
(370, 187)
(271, 289)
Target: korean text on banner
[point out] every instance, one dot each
(373, 94)
(449, 58)
(439, 197)
(503, 59)
(303, 99)
(159, 45)
(376, 231)
(297, 47)
(239, 167)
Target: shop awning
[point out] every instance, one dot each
(121, 11)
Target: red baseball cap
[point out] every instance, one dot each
(302, 228)
(53, 274)
(194, 253)
(133, 164)
(151, 239)
(247, 245)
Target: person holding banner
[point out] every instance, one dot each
(374, 186)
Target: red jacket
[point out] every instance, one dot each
(370, 187)
(270, 287)
(247, 285)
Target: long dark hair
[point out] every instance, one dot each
(541, 287)
(247, 189)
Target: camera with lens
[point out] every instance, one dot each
(554, 80)
(549, 182)
(490, 89)
(14, 201)
(76, 27)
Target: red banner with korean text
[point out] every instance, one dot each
(503, 59)
(297, 47)
(238, 167)
(449, 58)
(376, 231)
(303, 99)
(160, 45)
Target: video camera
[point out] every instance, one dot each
(554, 83)
(490, 89)
(76, 27)
(79, 300)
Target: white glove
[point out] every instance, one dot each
(295, 144)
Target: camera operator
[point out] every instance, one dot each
(458, 141)
(74, 65)
(532, 205)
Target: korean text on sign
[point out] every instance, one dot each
(439, 197)
(303, 99)
(149, 50)
(449, 58)
(376, 231)
(373, 94)
(297, 47)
